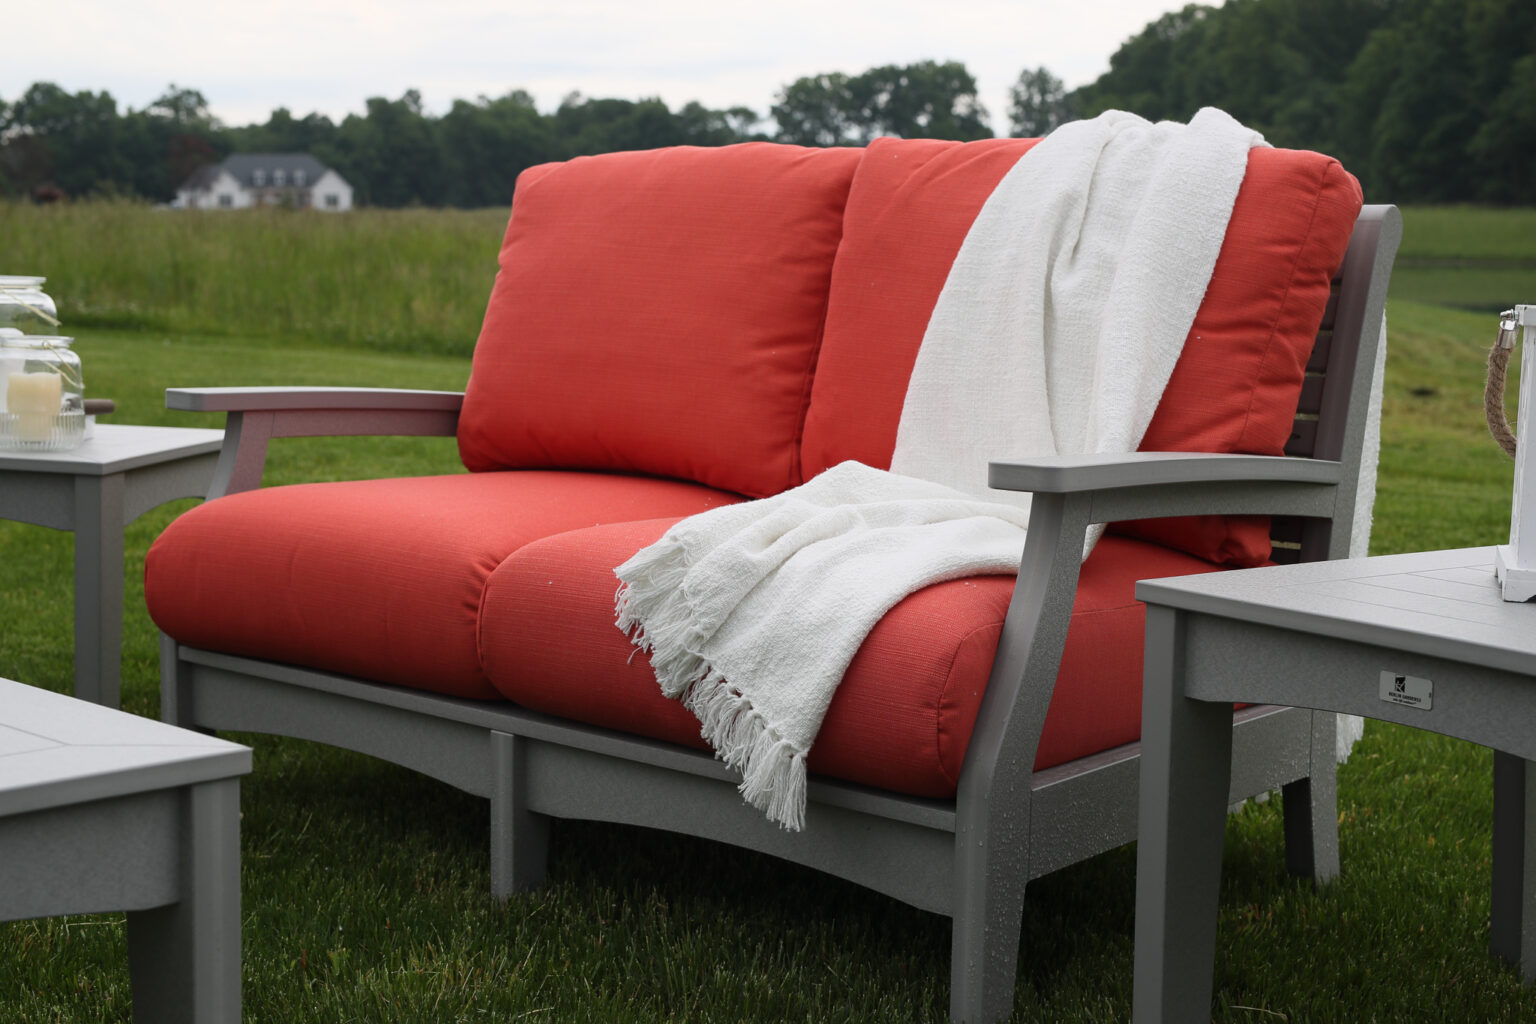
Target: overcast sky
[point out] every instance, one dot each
(331, 55)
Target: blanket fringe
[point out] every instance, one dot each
(653, 610)
(772, 768)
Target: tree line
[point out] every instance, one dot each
(54, 143)
(1424, 100)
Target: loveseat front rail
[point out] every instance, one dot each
(969, 858)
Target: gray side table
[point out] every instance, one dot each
(96, 490)
(1421, 639)
(101, 811)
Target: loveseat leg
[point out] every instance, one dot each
(984, 953)
(519, 837)
(175, 694)
(984, 948)
(1311, 808)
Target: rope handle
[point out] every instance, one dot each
(38, 311)
(1493, 394)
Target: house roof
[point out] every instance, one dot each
(202, 178)
(243, 167)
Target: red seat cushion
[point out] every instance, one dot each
(379, 579)
(1235, 387)
(659, 312)
(902, 716)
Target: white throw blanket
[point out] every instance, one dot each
(1068, 304)
(1060, 322)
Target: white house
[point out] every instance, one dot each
(265, 179)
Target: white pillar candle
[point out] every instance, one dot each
(34, 399)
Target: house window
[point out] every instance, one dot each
(279, 177)
(331, 202)
(226, 200)
(258, 177)
(298, 177)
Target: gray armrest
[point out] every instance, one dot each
(1071, 492)
(1145, 485)
(256, 415)
(286, 398)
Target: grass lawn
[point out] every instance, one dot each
(1477, 258)
(365, 892)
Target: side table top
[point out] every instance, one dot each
(116, 448)
(56, 750)
(1440, 603)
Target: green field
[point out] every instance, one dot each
(1467, 257)
(389, 280)
(365, 892)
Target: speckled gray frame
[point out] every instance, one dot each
(106, 811)
(1321, 635)
(969, 858)
(96, 490)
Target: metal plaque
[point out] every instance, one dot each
(1409, 691)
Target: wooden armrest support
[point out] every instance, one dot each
(256, 415)
(1147, 485)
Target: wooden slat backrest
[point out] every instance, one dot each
(1326, 420)
(1285, 532)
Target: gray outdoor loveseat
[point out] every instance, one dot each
(675, 330)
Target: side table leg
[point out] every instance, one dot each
(1186, 770)
(99, 588)
(1513, 907)
(184, 958)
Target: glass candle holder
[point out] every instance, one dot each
(25, 307)
(42, 393)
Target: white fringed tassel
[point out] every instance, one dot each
(773, 769)
(653, 610)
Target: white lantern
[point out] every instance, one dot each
(1515, 562)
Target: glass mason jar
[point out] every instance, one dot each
(25, 307)
(42, 393)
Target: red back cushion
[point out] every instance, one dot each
(660, 312)
(1236, 384)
